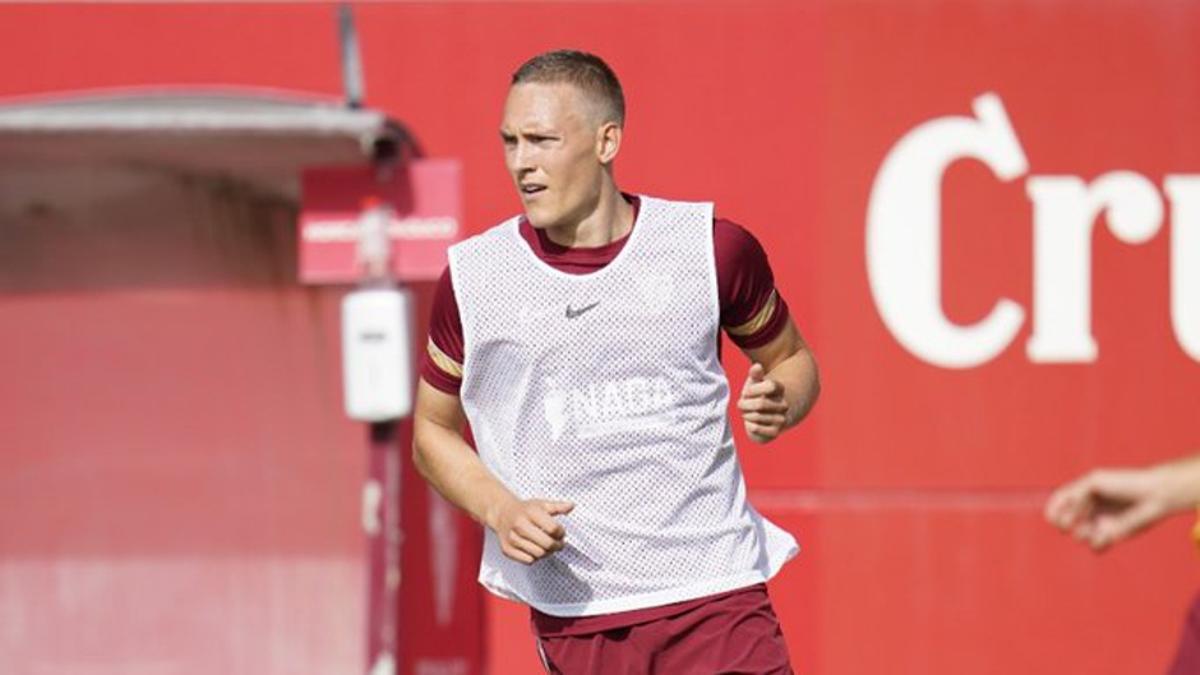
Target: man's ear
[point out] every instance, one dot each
(608, 142)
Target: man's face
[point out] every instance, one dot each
(550, 135)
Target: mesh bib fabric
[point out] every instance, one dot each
(605, 390)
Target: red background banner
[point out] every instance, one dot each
(915, 489)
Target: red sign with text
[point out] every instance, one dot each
(425, 197)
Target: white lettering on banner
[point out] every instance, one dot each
(456, 666)
(1064, 214)
(597, 409)
(903, 245)
(904, 236)
(1184, 193)
(443, 227)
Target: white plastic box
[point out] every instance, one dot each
(377, 369)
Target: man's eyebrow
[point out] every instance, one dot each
(527, 133)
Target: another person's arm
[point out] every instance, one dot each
(1106, 506)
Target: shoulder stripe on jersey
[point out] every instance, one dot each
(444, 363)
(759, 320)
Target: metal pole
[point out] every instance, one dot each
(381, 520)
(351, 58)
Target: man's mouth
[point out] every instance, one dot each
(528, 189)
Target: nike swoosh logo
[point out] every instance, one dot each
(575, 313)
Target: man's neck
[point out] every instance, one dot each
(609, 221)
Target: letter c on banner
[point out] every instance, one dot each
(904, 235)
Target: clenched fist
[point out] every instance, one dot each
(764, 409)
(527, 530)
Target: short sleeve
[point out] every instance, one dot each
(441, 364)
(752, 311)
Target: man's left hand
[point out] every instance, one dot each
(764, 408)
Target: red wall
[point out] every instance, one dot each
(915, 489)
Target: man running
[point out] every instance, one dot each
(581, 342)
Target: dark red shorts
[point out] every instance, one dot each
(735, 632)
(1187, 655)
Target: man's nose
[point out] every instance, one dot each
(522, 159)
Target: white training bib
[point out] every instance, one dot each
(605, 389)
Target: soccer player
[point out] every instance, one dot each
(581, 342)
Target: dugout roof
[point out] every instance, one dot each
(259, 138)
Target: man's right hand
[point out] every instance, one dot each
(527, 529)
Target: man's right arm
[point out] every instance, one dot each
(447, 462)
(526, 529)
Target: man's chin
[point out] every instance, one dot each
(539, 219)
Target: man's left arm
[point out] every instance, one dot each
(781, 387)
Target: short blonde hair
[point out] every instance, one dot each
(586, 71)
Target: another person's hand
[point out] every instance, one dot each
(527, 530)
(763, 407)
(1106, 506)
